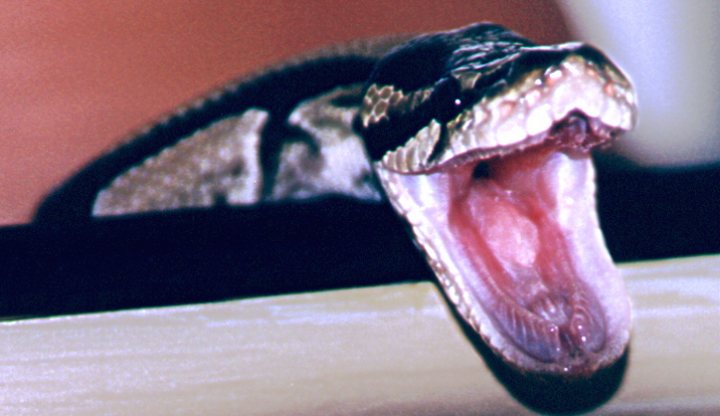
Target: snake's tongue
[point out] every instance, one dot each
(516, 244)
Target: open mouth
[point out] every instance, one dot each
(492, 171)
(515, 241)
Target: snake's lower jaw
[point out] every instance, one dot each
(516, 245)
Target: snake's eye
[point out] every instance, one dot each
(447, 99)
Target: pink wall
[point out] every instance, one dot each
(77, 76)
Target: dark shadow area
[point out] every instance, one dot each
(202, 256)
(211, 255)
(556, 395)
(653, 213)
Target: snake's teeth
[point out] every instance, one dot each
(613, 114)
(512, 129)
(428, 141)
(539, 119)
(410, 153)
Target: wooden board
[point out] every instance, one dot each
(381, 350)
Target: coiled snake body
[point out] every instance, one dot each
(479, 139)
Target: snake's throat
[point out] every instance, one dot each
(516, 244)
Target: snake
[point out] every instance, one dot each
(479, 139)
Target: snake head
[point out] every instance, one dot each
(481, 141)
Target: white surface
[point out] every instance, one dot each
(382, 350)
(671, 51)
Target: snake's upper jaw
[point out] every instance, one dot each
(515, 243)
(521, 114)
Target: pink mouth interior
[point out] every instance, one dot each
(514, 239)
(510, 218)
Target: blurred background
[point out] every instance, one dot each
(77, 76)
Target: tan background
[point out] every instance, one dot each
(76, 76)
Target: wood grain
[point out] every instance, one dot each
(381, 350)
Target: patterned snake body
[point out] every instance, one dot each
(479, 139)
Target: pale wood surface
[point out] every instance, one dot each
(383, 350)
